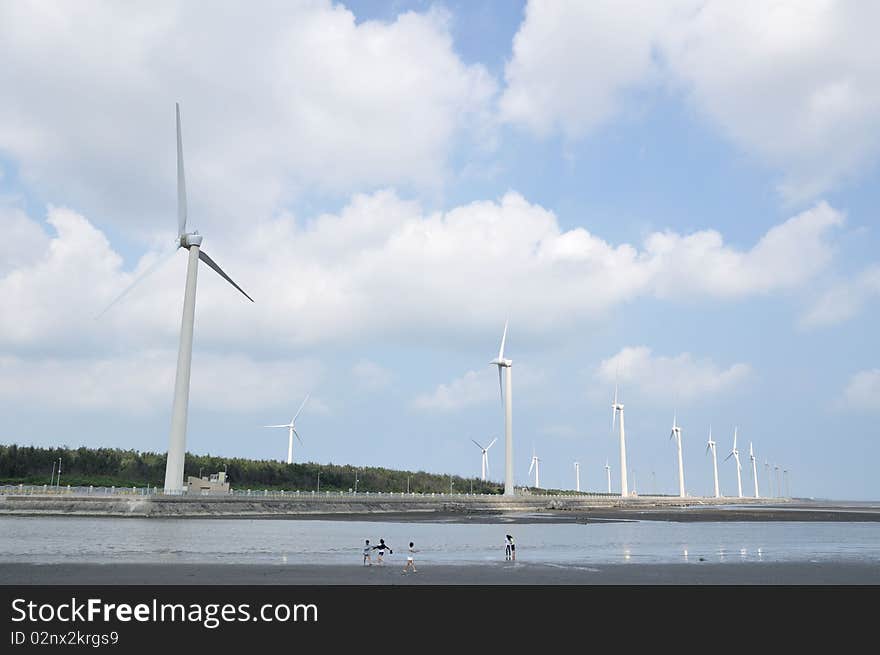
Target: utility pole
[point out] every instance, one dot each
(59, 475)
(356, 469)
(407, 483)
(319, 481)
(52, 477)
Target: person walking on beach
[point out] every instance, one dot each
(382, 547)
(410, 562)
(510, 549)
(368, 558)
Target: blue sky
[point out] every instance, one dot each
(683, 197)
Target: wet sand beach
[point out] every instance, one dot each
(500, 573)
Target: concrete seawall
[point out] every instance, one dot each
(343, 504)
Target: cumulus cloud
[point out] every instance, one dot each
(295, 96)
(382, 266)
(844, 301)
(473, 388)
(669, 378)
(794, 83)
(863, 391)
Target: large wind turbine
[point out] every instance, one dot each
(291, 427)
(485, 457)
(192, 241)
(754, 468)
(778, 481)
(536, 463)
(711, 446)
(506, 398)
(615, 408)
(608, 474)
(577, 477)
(676, 432)
(735, 454)
(769, 477)
(787, 483)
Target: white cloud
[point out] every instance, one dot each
(573, 62)
(381, 266)
(844, 301)
(473, 388)
(296, 96)
(669, 378)
(863, 391)
(795, 83)
(371, 376)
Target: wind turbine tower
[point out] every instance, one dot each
(192, 241)
(769, 478)
(676, 432)
(711, 446)
(506, 398)
(577, 477)
(615, 408)
(754, 461)
(608, 474)
(735, 454)
(291, 430)
(485, 457)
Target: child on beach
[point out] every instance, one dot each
(368, 559)
(510, 549)
(409, 559)
(382, 547)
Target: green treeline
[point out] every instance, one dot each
(126, 468)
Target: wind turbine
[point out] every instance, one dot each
(291, 427)
(711, 446)
(192, 241)
(577, 477)
(787, 484)
(536, 463)
(754, 468)
(778, 481)
(769, 478)
(485, 457)
(676, 432)
(506, 364)
(615, 408)
(735, 454)
(608, 473)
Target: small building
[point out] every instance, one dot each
(216, 483)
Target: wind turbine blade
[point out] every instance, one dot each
(478, 445)
(532, 465)
(152, 268)
(297, 435)
(728, 457)
(500, 387)
(276, 426)
(503, 339)
(301, 406)
(492, 443)
(708, 447)
(210, 262)
(181, 181)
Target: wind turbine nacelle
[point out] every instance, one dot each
(191, 239)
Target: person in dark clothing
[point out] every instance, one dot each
(510, 549)
(382, 547)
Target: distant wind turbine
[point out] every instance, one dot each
(192, 241)
(787, 483)
(608, 473)
(507, 400)
(778, 480)
(615, 408)
(769, 477)
(754, 468)
(536, 463)
(735, 454)
(291, 427)
(485, 457)
(577, 477)
(676, 432)
(711, 446)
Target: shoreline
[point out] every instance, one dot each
(492, 573)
